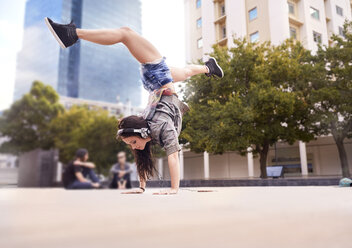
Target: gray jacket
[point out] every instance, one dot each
(166, 124)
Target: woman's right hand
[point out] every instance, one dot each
(134, 191)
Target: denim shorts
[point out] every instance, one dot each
(155, 75)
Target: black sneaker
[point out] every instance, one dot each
(214, 68)
(65, 34)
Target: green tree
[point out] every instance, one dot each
(27, 122)
(331, 91)
(94, 130)
(253, 105)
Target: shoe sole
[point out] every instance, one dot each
(54, 33)
(222, 72)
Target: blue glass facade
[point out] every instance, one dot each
(85, 70)
(70, 58)
(97, 72)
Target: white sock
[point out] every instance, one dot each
(207, 69)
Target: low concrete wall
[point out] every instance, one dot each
(37, 168)
(333, 181)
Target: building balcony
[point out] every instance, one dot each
(294, 20)
(222, 42)
(221, 19)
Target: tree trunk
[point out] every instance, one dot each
(263, 157)
(339, 137)
(343, 158)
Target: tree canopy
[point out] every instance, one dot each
(27, 122)
(253, 105)
(38, 120)
(331, 91)
(94, 130)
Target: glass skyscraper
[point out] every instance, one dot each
(85, 70)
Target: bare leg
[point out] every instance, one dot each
(139, 47)
(181, 74)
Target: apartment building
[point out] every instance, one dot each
(210, 22)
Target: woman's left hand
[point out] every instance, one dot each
(166, 192)
(134, 191)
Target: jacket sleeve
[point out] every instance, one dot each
(169, 138)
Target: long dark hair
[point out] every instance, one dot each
(144, 158)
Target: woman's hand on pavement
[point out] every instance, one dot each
(134, 191)
(166, 192)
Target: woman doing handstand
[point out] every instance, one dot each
(162, 119)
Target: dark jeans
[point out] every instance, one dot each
(85, 185)
(114, 183)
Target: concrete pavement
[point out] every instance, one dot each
(229, 217)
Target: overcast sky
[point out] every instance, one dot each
(162, 24)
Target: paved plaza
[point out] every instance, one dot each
(228, 217)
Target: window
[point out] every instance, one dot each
(341, 32)
(291, 8)
(198, 3)
(339, 10)
(293, 33)
(317, 37)
(314, 13)
(222, 9)
(223, 32)
(199, 23)
(254, 37)
(200, 43)
(253, 14)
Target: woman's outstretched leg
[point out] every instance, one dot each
(210, 68)
(181, 74)
(138, 46)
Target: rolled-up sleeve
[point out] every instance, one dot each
(169, 138)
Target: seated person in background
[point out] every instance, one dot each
(121, 173)
(74, 176)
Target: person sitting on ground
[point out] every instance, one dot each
(121, 172)
(74, 176)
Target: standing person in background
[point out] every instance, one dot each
(121, 172)
(77, 171)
